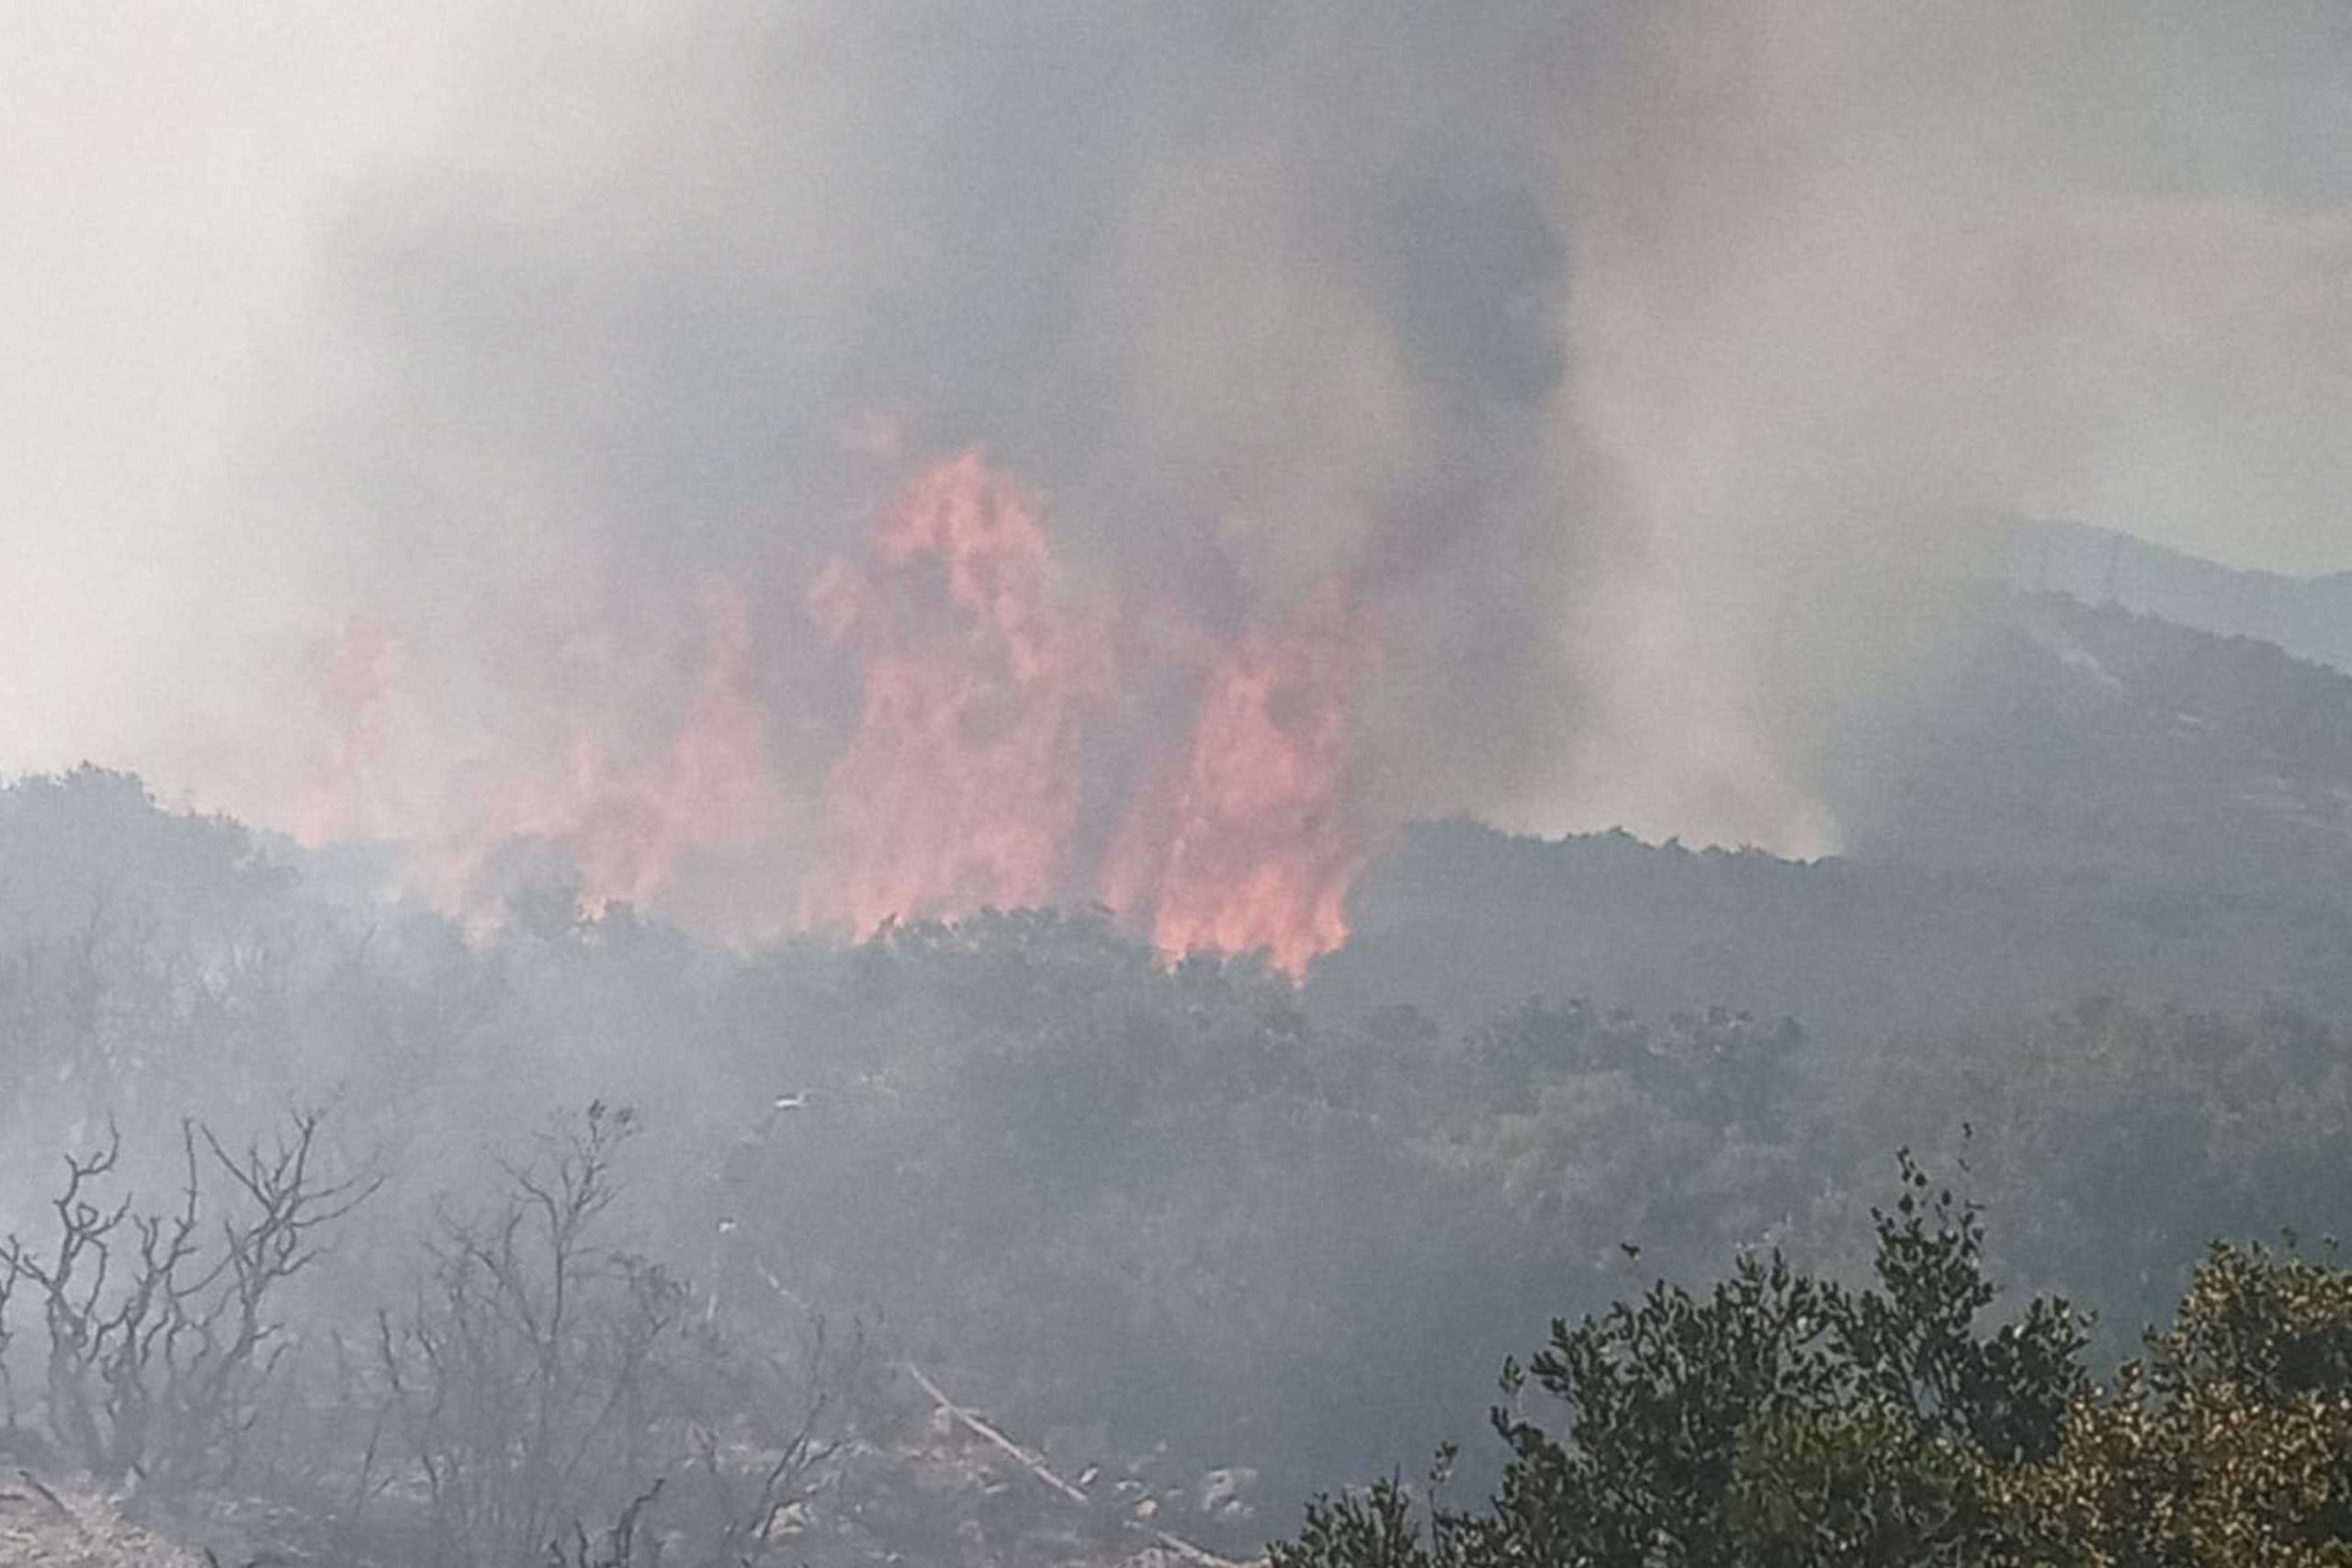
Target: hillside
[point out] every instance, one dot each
(2311, 617)
(1204, 1239)
(2089, 801)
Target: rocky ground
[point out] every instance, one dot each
(931, 1483)
(59, 1522)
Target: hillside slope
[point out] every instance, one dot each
(2311, 617)
(2089, 801)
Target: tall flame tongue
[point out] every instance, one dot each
(1247, 842)
(987, 689)
(961, 786)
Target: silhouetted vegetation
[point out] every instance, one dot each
(1187, 1220)
(1785, 1418)
(164, 1328)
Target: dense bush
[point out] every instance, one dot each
(1188, 1206)
(1786, 1420)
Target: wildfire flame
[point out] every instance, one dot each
(988, 680)
(1017, 740)
(620, 832)
(1249, 843)
(961, 786)
(347, 795)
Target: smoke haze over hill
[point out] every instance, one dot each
(1559, 414)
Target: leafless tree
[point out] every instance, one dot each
(543, 1376)
(163, 1327)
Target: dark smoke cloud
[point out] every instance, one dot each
(1646, 362)
(1256, 296)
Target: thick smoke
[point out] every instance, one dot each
(1257, 299)
(1852, 283)
(1645, 369)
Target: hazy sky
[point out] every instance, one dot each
(167, 171)
(2084, 259)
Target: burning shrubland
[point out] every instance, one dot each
(973, 782)
(1079, 486)
(1008, 733)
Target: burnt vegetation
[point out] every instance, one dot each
(333, 1237)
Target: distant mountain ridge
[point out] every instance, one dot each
(2311, 617)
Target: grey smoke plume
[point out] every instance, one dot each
(1852, 282)
(1257, 299)
(1648, 365)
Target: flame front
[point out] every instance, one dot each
(961, 786)
(1017, 737)
(618, 831)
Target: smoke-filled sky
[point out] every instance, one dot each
(1634, 368)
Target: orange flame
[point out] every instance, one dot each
(620, 834)
(984, 681)
(349, 793)
(1019, 738)
(961, 786)
(1249, 842)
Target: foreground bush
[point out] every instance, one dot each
(1785, 1419)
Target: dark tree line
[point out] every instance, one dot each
(1184, 1205)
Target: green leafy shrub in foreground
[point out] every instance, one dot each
(1786, 1420)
